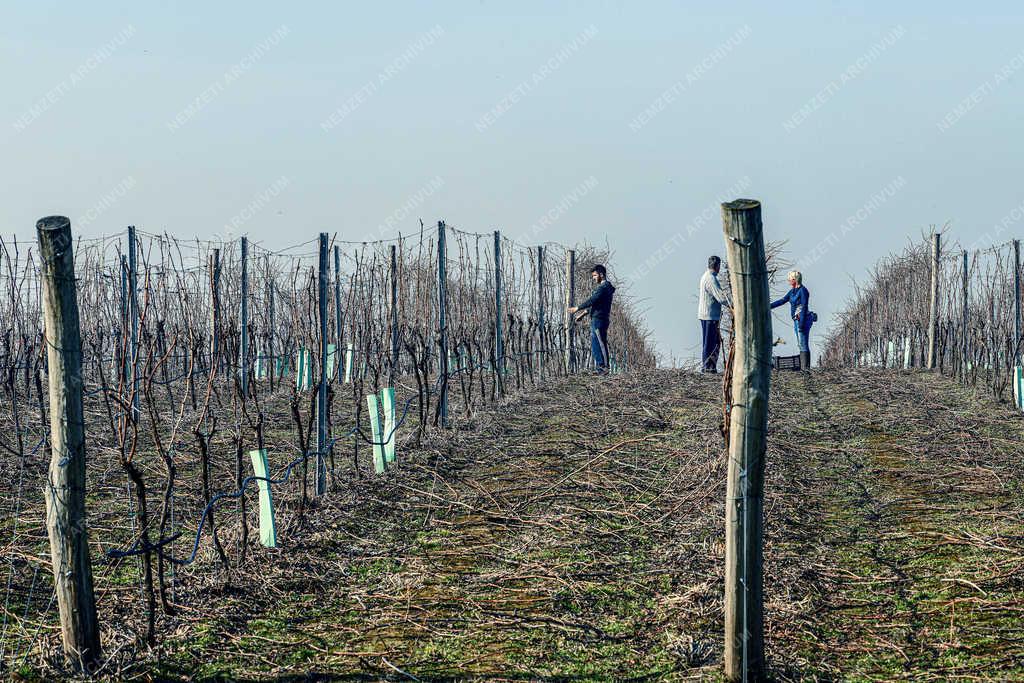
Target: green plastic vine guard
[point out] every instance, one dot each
(1018, 386)
(378, 449)
(332, 357)
(387, 399)
(304, 370)
(268, 531)
(348, 362)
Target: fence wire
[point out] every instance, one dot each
(168, 415)
(978, 337)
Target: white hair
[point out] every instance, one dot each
(796, 275)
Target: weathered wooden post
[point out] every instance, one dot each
(856, 340)
(1016, 302)
(271, 346)
(122, 338)
(442, 323)
(215, 311)
(243, 349)
(321, 398)
(748, 424)
(965, 310)
(541, 349)
(933, 315)
(133, 297)
(499, 339)
(337, 299)
(394, 315)
(65, 489)
(570, 301)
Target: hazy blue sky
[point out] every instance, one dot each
(811, 107)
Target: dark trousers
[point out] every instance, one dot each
(712, 343)
(599, 343)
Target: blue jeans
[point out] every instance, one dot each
(711, 339)
(802, 338)
(599, 343)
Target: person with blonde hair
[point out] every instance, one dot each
(799, 299)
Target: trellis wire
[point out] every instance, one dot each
(978, 337)
(189, 370)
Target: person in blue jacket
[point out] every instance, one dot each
(600, 304)
(799, 309)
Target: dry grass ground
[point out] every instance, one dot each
(577, 534)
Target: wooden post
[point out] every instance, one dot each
(933, 316)
(125, 305)
(442, 313)
(394, 315)
(133, 298)
(1016, 302)
(856, 341)
(271, 346)
(321, 398)
(748, 424)
(215, 311)
(66, 521)
(243, 349)
(499, 341)
(337, 298)
(965, 312)
(570, 301)
(541, 350)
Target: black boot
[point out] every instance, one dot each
(805, 360)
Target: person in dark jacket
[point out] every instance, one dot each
(799, 300)
(600, 304)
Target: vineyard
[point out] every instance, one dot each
(230, 390)
(943, 307)
(391, 461)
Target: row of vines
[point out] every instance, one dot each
(977, 315)
(196, 353)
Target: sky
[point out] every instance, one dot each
(857, 125)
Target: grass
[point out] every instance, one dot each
(578, 535)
